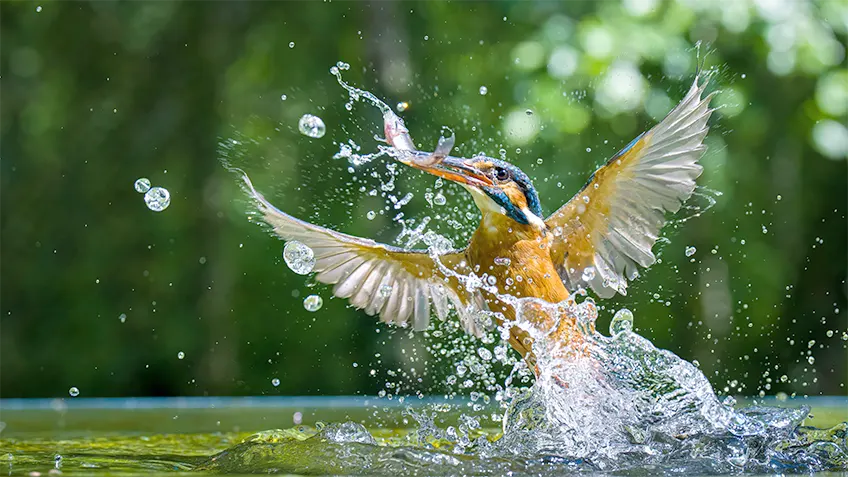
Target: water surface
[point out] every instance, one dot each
(215, 435)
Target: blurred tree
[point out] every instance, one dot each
(97, 94)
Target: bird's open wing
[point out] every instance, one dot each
(397, 284)
(612, 223)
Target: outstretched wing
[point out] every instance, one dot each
(397, 284)
(612, 223)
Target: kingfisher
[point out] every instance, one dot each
(597, 241)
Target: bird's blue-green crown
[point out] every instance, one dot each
(523, 181)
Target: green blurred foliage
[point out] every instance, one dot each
(97, 94)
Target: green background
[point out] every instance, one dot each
(97, 94)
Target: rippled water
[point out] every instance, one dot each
(614, 404)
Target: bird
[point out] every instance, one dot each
(598, 240)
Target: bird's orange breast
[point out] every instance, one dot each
(518, 258)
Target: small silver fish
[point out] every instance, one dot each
(397, 136)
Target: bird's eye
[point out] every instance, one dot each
(501, 174)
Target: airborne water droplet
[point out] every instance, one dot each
(483, 90)
(180, 355)
(275, 382)
(312, 126)
(313, 303)
(621, 322)
(402, 106)
(74, 392)
(299, 258)
(157, 199)
(690, 251)
(142, 185)
(122, 317)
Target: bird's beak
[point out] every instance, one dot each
(454, 169)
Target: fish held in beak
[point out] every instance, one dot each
(443, 148)
(439, 162)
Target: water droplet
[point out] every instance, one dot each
(38, 9)
(142, 185)
(312, 126)
(588, 149)
(439, 199)
(283, 97)
(588, 274)
(371, 215)
(313, 303)
(539, 160)
(484, 354)
(275, 382)
(385, 290)
(402, 106)
(503, 261)
(585, 199)
(74, 392)
(690, 251)
(829, 333)
(180, 355)
(299, 257)
(122, 317)
(811, 360)
(483, 90)
(157, 199)
(291, 44)
(621, 322)
(528, 112)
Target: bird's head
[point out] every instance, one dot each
(497, 187)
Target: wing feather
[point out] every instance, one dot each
(363, 271)
(612, 224)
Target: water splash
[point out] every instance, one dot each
(312, 126)
(142, 185)
(610, 404)
(157, 199)
(313, 303)
(299, 257)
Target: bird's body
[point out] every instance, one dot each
(518, 257)
(597, 240)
